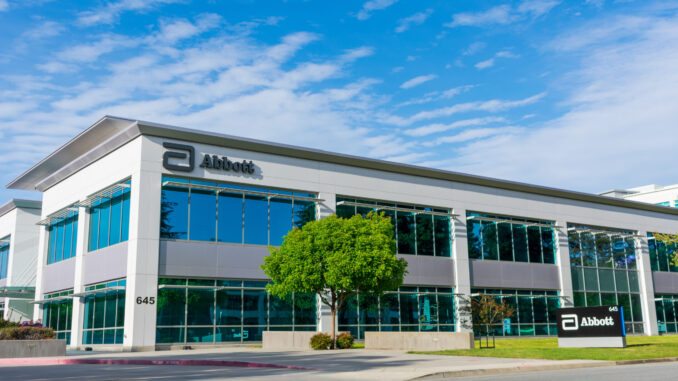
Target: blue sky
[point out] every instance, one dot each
(577, 95)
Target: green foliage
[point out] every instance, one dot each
(27, 333)
(7, 324)
(639, 347)
(669, 239)
(344, 340)
(335, 258)
(336, 254)
(321, 341)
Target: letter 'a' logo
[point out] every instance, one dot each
(189, 153)
(569, 322)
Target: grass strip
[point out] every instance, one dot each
(638, 347)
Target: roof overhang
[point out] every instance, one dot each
(18, 203)
(109, 133)
(17, 292)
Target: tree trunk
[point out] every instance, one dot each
(334, 331)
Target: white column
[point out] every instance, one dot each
(323, 312)
(78, 282)
(142, 261)
(41, 263)
(462, 270)
(563, 261)
(646, 285)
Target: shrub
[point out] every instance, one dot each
(321, 341)
(7, 323)
(27, 333)
(345, 340)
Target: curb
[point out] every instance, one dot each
(61, 361)
(517, 369)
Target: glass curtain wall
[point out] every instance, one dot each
(409, 309)
(63, 238)
(229, 215)
(510, 239)
(604, 271)
(661, 254)
(535, 311)
(667, 312)
(226, 310)
(58, 313)
(4, 257)
(109, 220)
(415, 231)
(104, 316)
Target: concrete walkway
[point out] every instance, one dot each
(354, 364)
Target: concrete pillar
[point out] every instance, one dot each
(142, 260)
(78, 282)
(323, 312)
(462, 270)
(41, 263)
(646, 285)
(563, 261)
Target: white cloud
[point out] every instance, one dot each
(4, 5)
(373, 5)
(474, 48)
(477, 133)
(172, 31)
(494, 105)
(416, 81)
(113, 9)
(622, 119)
(438, 127)
(416, 19)
(44, 30)
(437, 95)
(484, 64)
(491, 61)
(503, 14)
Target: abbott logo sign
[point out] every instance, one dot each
(180, 158)
(604, 321)
(569, 322)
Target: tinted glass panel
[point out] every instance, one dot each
(230, 217)
(174, 213)
(256, 220)
(203, 213)
(281, 219)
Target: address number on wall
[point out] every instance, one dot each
(146, 300)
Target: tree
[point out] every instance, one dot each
(669, 239)
(485, 312)
(336, 258)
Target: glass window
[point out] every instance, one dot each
(304, 212)
(230, 218)
(442, 236)
(505, 241)
(174, 213)
(490, 249)
(202, 221)
(116, 218)
(281, 311)
(424, 234)
(281, 219)
(62, 241)
(575, 249)
(104, 221)
(548, 247)
(256, 220)
(229, 307)
(473, 228)
(200, 307)
(406, 239)
(603, 250)
(520, 243)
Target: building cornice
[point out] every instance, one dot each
(109, 133)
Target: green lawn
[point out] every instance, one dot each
(638, 347)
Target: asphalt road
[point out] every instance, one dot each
(645, 372)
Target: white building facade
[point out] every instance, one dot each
(18, 258)
(152, 235)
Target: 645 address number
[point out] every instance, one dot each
(146, 300)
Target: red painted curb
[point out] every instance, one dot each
(109, 361)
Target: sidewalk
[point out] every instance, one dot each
(354, 364)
